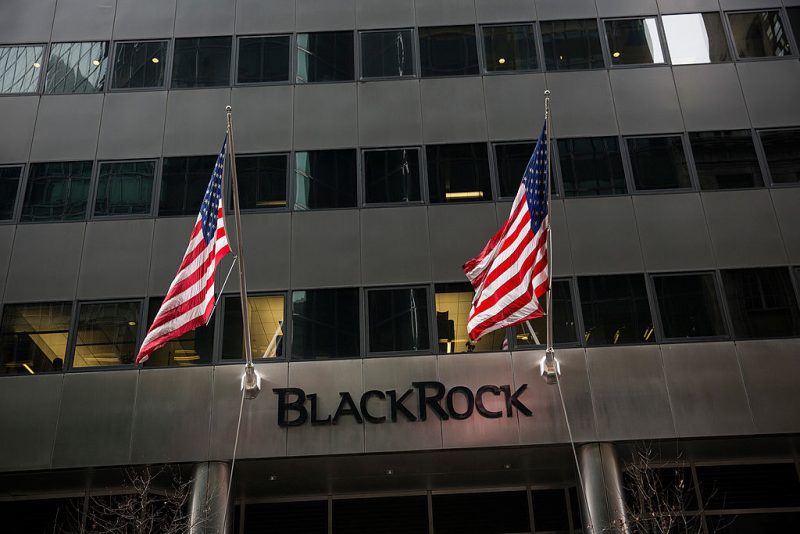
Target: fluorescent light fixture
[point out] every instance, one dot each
(28, 367)
(155, 60)
(191, 358)
(270, 203)
(464, 194)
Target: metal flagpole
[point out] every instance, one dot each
(549, 366)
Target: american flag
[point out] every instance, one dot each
(190, 298)
(510, 273)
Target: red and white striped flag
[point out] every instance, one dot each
(190, 298)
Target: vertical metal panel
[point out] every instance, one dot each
(786, 202)
(687, 6)
(327, 15)
(83, 20)
(382, 14)
(268, 238)
(257, 16)
(394, 245)
(132, 125)
(442, 12)
(262, 118)
(169, 243)
(204, 17)
(626, 8)
(711, 97)
(19, 117)
(67, 127)
(195, 122)
(389, 113)
(514, 106)
(558, 9)
(458, 233)
(325, 116)
(325, 249)
(770, 90)
(582, 104)
(646, 100)
(139, 19)
(505, 10)
(453, 109)
(23, 21)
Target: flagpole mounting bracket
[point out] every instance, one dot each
(549, 367)
(251, 381)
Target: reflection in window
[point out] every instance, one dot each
(325, 57)
(615, 310)
(263, 59)
(20, 67)
(458, 173)
(512, 160)
(762, 302)
(591, 166)
(124, 188)
(658, 163)
(183, 184)
(572, 45)
(267, 328)
(448, 51)
(77, 68)
(9, 183)
(262, 181)
(387, 54)
(57, 191)
(759, 34)
(509, 48)
(138, 65)
(634, 41)
(106, 334)
(695, 38)
(33, 337)
(192, 348)
(783, 157)
(391, 175)
(725, 160)
(398, 320)
(325, 179)
(325, 324)
(563, 320)
(689, 306)
(202, 62)
(453, 302)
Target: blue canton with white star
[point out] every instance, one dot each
(535, 180)
(209, 211)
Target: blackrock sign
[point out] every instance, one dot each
(296, 407)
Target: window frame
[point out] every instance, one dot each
(109, 66)
(726, 30)
(95, 184)
(490, 160)
(24, 188)
(296, 68)
(291, 193)
(362, 334)
(577, 316)
(362, 177)
(766, 179)
(292, 60)
(21, 184)
(478, 50)
(558, 177)
(168, 53)
(160, 182)
(367, 353)
(219, 329)
(537, 39)
(627, 164)
(71, 330)
(495, 163)
(415, 59)
(232, 63)
(781, 11)
(43, 68)
(600, 36)
(762, 155)
(605, 45)
(228, 192)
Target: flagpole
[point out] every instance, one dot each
(549, 366)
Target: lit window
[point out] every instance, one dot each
(392, 175)
(325, 57)
(325, 179)
(192, 348)
(398, 320)
(263, 59)
(658, 163)
(591, 166)
(696, 38)
(688, 305)
(783, 157)
(20, 68)
(762, 302)
(325, 324)
(33, 337)
(57, 191)
(634, 41)
(448, 51)
(267, 327)
(387, 54)
(509, 48)
(106, 334)
(77, 68)
(759, 34)
(9, 184)
(124, 188)
(572, 45)
(726, 160)
(139, 65)
(262, 181)
(615, 310)
(453, 302)
(202, 62)
(458, 173)
(564, 330)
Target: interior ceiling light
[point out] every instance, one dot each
(616, 54)
(464, 194)
(131, 323)
(95, 62)
(502, 61)
(272, 478)
(155, 60)
(37, 65)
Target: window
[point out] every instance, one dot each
(615, 310)
(448, 51)
(398, 515)
(658, 163)
(725, 160)
(591, 166)
(453, 302)
(572, 45)
(398, 320)
(458, 173)
(262, 181)
(264, 59)
(759, 34)
(183, 183)
(9, 184)
(192, 348)
(202, 62)
(634, 41)
(508, 48)
(563, 320)
(550, 510)
(749, 486)
(325, 179)
(77, 68)
(688, 305)
(325, 324)
(762, 302)
(57, 191)
(512, 160)
(387, 54)
(695, 38)
(124, 188)
(20, 67)
(139, 65)
(33, 337)
(267, 329)
(325, 57)
(783, 158)
(487, 513)
(106, 334)
(392, 175)
(300, 517)
(794, 20)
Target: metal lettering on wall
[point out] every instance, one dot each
(433, 397)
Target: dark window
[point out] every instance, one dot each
(615, 310)
(725, 160)
(398, 320)
(695, 38)
(106, 334)
(448, 51)
(689, 306)
(634, 41)
(509, 47)
(484, 513)
(77, 68)
(325, 324)
(563, 320)
(387, 54)
(550, 510)
(572, 45)
(794, 20)
(658, 163)
(381, 515)
(304, 517)
(458, 173)
(325, 57)
(139, 64)
(183, 183)
(124, 188)
(512, 160)
(42, 516)
(9, 184)
(783, 156)
(267, 329)
(591, 166)
(325, 179)
(192, 348)
(453, 303)
(264, 59)
(20, 67)
(57, 191)
(202, 62)
(262, 181)
(759, 34)
(749, 486)
(33, 337)
(392, 175)
(762, 302)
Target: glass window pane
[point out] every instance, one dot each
(634, 41)
(794, 20)
(762, 302)
(550, 510)
(572, 45)
(325, 324)
(689, 306)
(398, 320)
(387, 54)
(759, 34)
(753, 523)
(57, 191)
(783, 156)
(325, 57)
(262, 181)
(20, 67)
(106, 334)
(695, 38)
(139, 65)
(725, 160)
(325, 179)
(512, 160)
(563, 320)
(77, 68)
(301, 517)
(124, 188)
(183, 184)
(9, 184)
(266, 327)
(202, 62)
(749, 486)
(453, 302)
(615, 310)
(192, 348)
(487, 513)
(658, 163)
(263, 59)
(448, 51)
(458, 173)
(33, 337)
(396, 515)
(591, 166)
(392, 175)
(509, 48)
